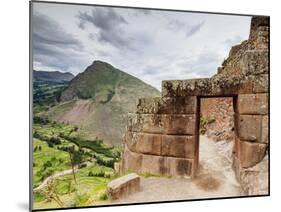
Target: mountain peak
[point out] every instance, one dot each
(99, 64)
(99, 100)
(100, 81)
(95, 62)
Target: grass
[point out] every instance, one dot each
(51, 156)
(90, 190)
(59, 161)
(46, 94)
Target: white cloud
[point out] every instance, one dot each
(151, 45)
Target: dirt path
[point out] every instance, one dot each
(54, 176)
(215, 179)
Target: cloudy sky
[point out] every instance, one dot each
(149, 44)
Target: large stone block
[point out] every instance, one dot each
(250, 127)
(148, 105)
(216, 86)
(253, 104)
(245, 87)
(255, 62)
(131, 161)
(154, 165)
(251, 153)
(180, 167)
(185, 105)
(123, 186)
(149, 143)
(168, 105)
(152, 123)
(178, 146)
(170, 166)
(179, 124)
(162, 145)
(158, 165)
(149, 123)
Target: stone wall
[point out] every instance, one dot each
(162, 136)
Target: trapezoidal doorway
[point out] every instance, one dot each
(215, 146)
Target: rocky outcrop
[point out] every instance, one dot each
(217, 118)
(162, 137)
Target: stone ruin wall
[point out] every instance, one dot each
(162, 137)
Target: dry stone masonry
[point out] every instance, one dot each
(162, 137)
(123, 186)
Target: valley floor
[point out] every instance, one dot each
(215, 179)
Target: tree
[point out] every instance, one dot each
(75, 160)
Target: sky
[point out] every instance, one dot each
(151, 45)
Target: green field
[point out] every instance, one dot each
(46, 94)
(51, 155)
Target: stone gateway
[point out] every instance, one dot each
(162, 136)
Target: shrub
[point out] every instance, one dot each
(40, 120)
(90, 174)
(47, 164)
(45, 173)
(99, 173)
(109, 162)
(51, 145)
(36, 134)
(203, 122)
(55, 140)
(60, 160)
(103, 196)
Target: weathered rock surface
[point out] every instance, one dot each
(218, 114)
(123, 186)
(253, 104)
(251, 153)
(184, 124)
(254, 180)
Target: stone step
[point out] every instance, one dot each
(123, 186)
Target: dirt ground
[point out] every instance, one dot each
(215, 178)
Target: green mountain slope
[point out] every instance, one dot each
(98, 101)
(52, 76)
(47, 87)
